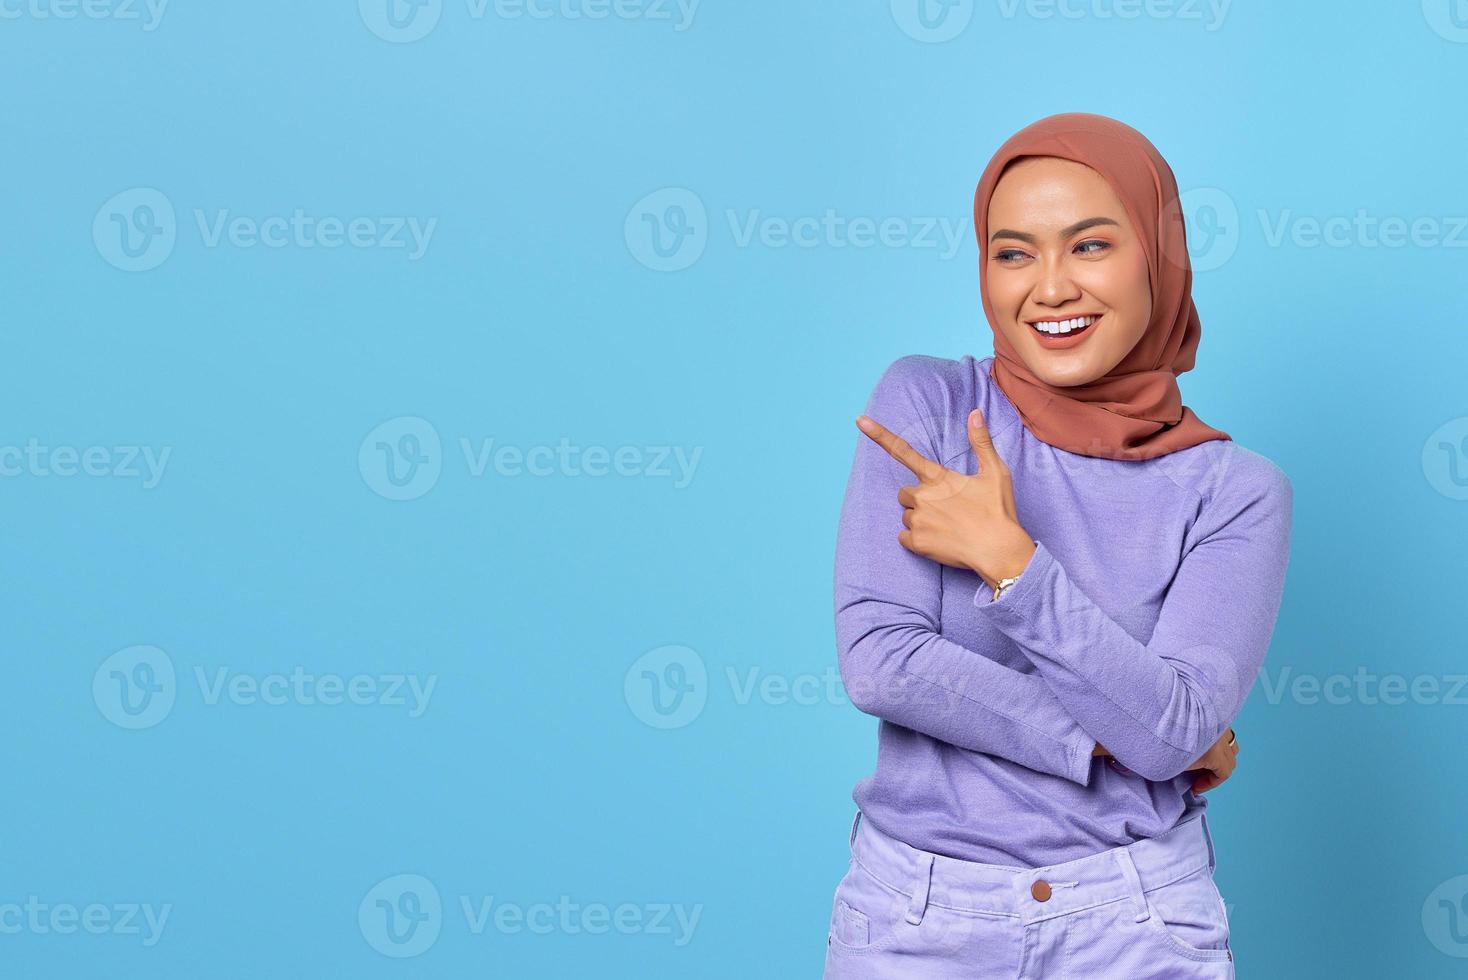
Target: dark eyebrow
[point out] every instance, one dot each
(1074, 229)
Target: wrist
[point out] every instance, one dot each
(1023, 556)
(1011, 565)
(1017, 559)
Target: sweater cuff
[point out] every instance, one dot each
(1021, 598)
(1082, 760)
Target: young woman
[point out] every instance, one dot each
(1055, 585)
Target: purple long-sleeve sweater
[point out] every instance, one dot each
(1140, 623)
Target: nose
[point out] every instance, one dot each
(1055, 288)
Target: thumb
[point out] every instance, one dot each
(978, 437)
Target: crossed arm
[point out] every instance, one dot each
(1162, 707)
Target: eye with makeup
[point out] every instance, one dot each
(1006, 255)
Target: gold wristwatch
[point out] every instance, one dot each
(1003, 584)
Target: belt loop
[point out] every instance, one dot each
(919, 903)
(1134, 883)
(854, 822)
(1208, 836)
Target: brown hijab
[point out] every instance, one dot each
(1135, 411)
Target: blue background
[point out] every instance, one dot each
(538, 313)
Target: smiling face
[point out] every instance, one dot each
(1067, 273)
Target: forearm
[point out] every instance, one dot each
(913, 677)
(1152, 717)
(1155, 706)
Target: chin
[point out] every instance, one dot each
(1057, 369)
(1065, 379)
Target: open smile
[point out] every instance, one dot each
(1058, 334)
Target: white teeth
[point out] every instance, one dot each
(1064, 326)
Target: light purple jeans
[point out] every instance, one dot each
(1146, 910)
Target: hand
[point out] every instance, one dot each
(1217, 763)
(962, 521)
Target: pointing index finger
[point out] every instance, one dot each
(899, 449)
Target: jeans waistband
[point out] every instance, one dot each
(1034, 894)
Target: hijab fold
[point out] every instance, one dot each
(1135, 410)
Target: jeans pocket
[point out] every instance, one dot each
(867, 913)
(851, 927)
(1189, 914)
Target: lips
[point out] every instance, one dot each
(1076, 330)
(1064, 327)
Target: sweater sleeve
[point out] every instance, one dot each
(894, 663)
(1158, 706)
